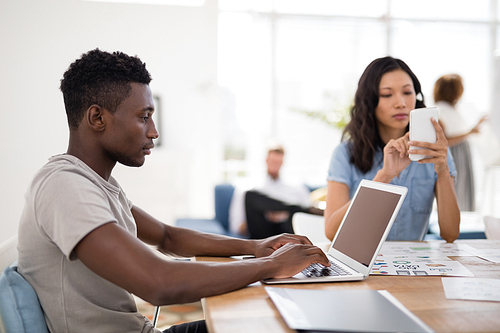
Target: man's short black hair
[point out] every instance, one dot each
(100, 78)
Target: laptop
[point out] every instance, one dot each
(362, 232)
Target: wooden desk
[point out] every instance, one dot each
(251, 310)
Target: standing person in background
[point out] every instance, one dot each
(377, 148)
(448, 90)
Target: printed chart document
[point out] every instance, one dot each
(417, 259)
(425, 250)
(472, 289)
(344, 311)
(412, 267)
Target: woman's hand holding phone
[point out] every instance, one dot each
(425, 143)
(436, 153)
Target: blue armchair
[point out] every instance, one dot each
(20, 309)
(220, 223)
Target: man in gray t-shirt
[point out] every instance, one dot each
(82, 244)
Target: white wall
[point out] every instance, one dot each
(39, 39)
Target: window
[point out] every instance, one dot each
(281, 60)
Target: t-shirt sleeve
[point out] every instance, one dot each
(68, 207)
(340, 168)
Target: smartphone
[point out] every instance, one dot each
(421, 128)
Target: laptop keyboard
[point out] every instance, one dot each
(320, 270)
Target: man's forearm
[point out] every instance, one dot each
(188, 243)
(204, 279)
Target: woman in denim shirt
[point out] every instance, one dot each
(376, 146)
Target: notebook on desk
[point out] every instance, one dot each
(362, 232)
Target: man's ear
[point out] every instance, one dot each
(95, 117)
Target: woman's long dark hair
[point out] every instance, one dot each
(362, 129)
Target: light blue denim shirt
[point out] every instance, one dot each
(412, 221)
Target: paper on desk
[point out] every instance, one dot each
(393, 265)
(423, 250)
(492, 255)
(472, 289)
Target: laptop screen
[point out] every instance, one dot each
(365, 224)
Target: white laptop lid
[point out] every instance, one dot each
(367, 223)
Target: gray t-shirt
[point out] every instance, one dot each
(65, 201)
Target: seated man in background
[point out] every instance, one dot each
(267, 210)
(82, 243)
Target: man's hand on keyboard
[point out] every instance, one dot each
(264, 247)
(291, 259)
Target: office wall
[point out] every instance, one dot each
(39, 39)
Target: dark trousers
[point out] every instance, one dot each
(256, 207)
(192, 327)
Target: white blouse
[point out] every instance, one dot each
(453, 122)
